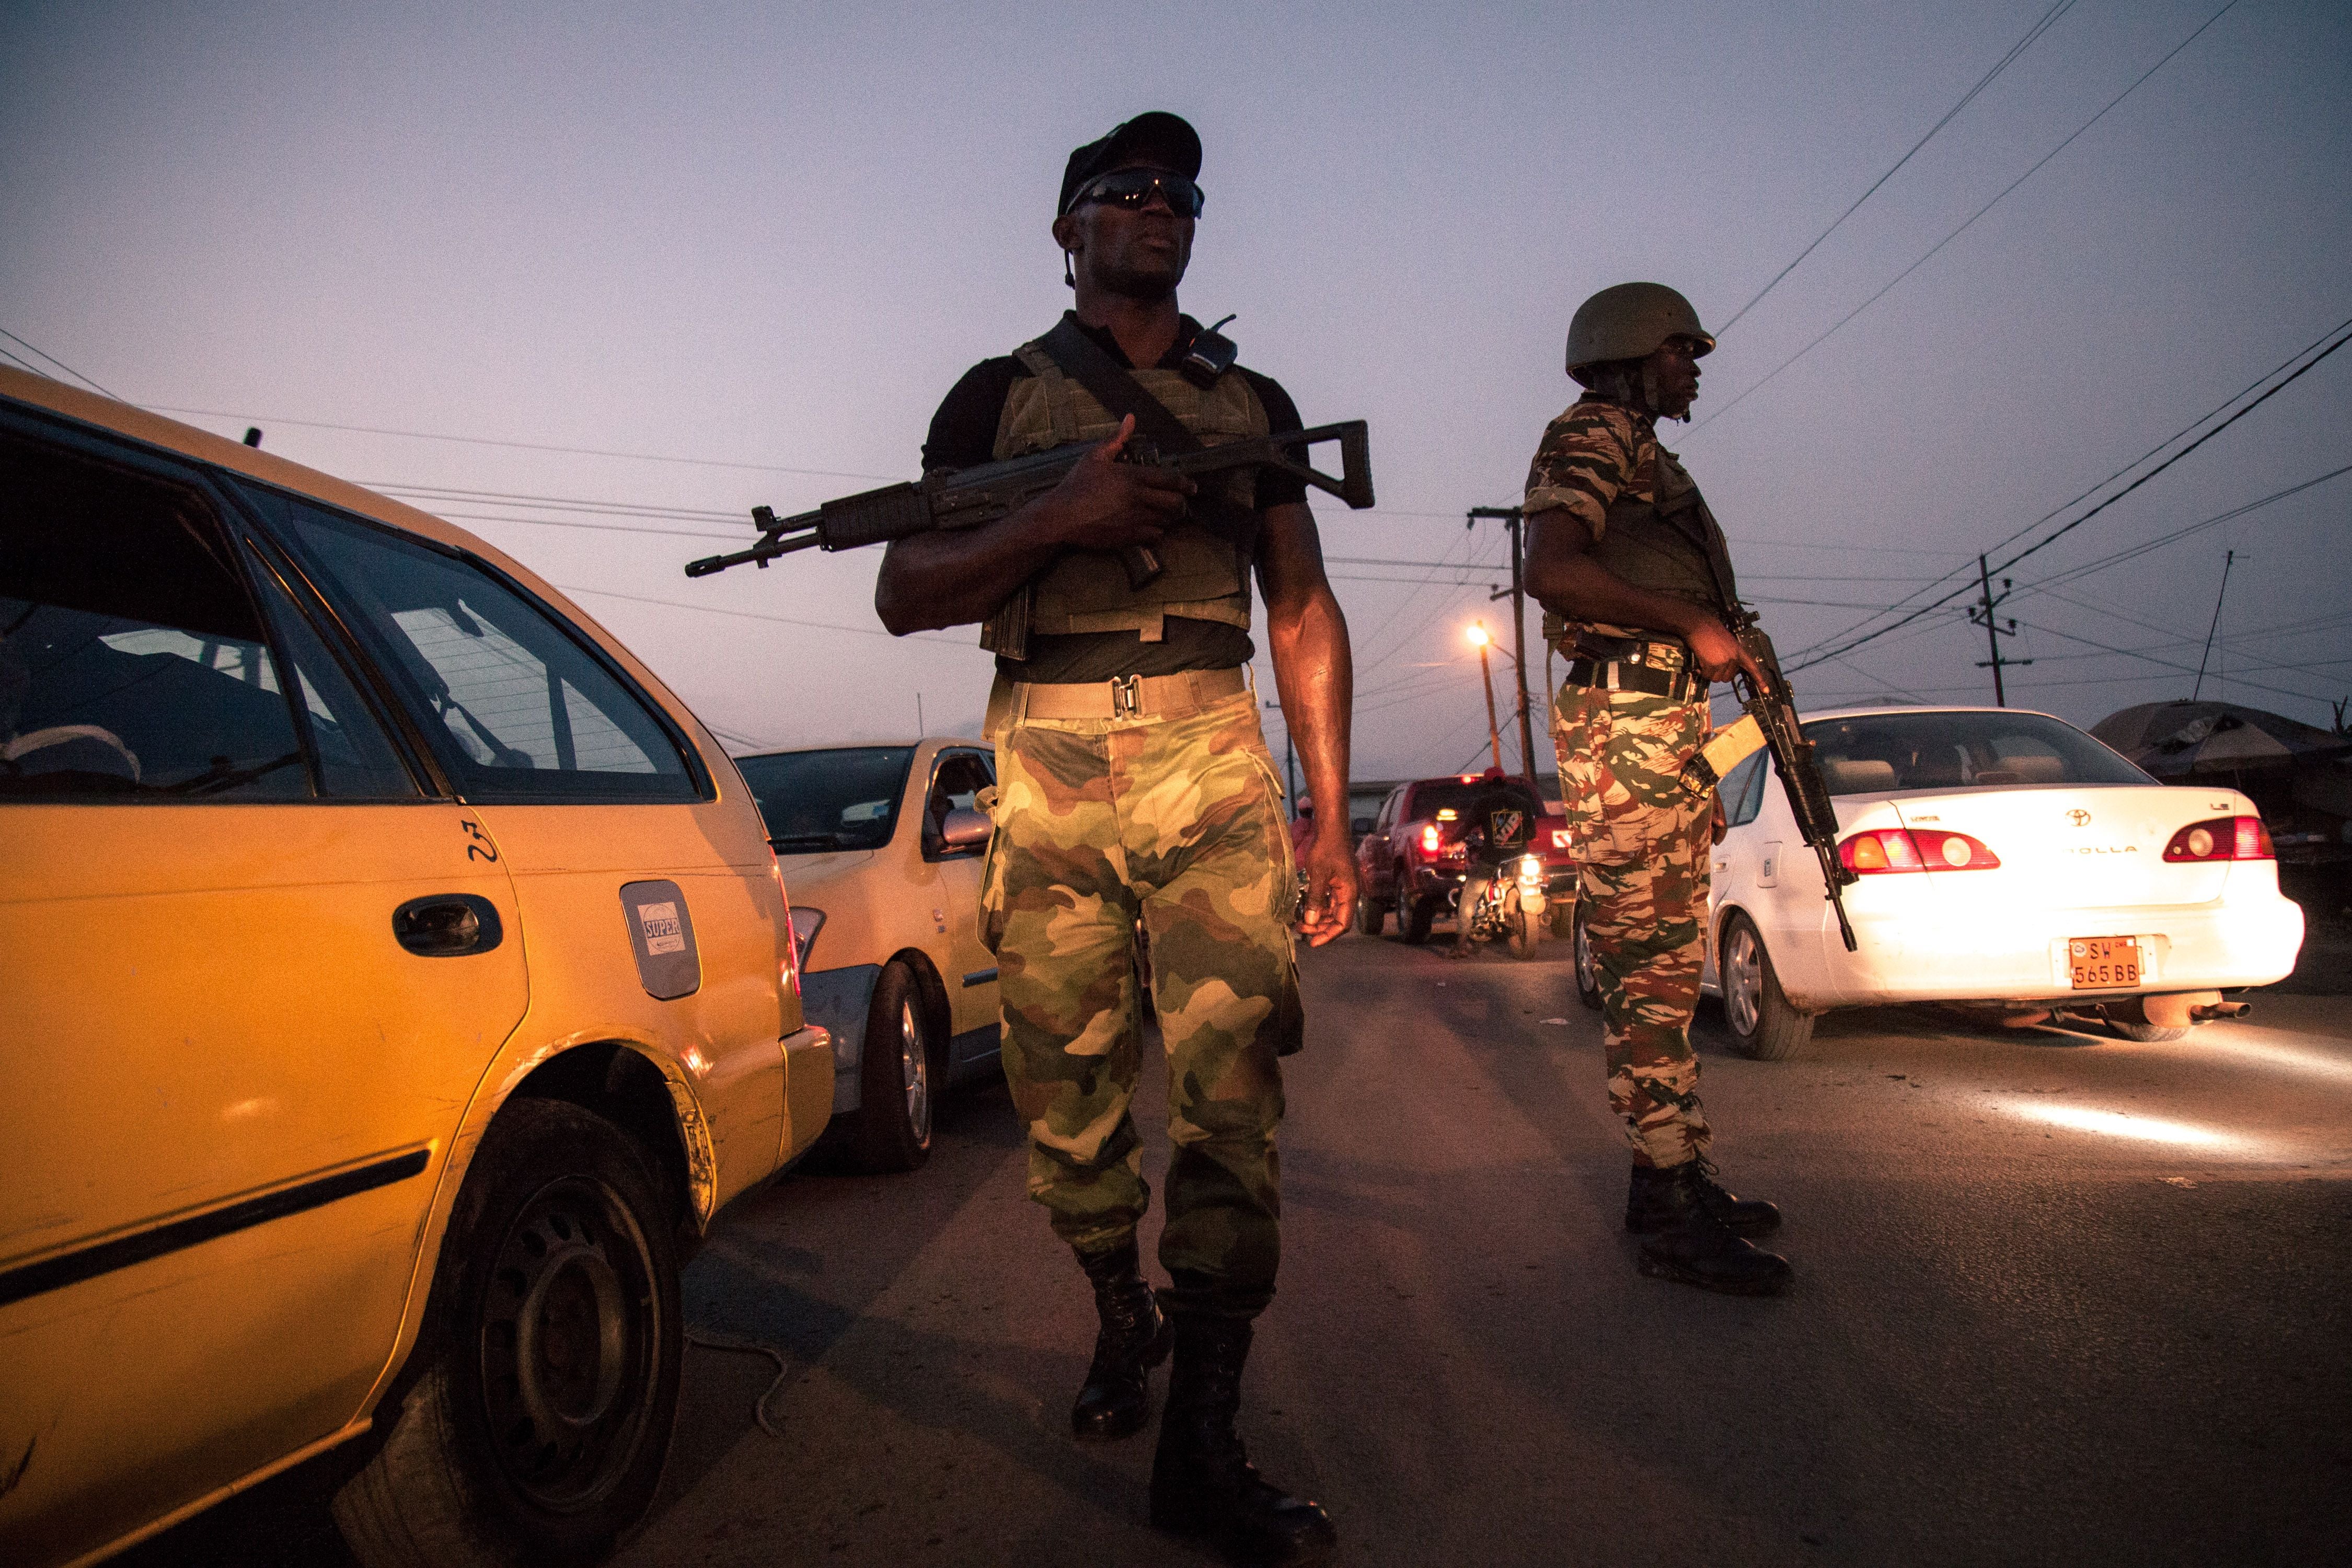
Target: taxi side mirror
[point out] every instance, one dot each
(966, 829)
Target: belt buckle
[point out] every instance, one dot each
(1126, 697)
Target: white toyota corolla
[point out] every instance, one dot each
(2001, 857)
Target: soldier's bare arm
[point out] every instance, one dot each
(1567, 581)
(1585, 461)
(1315, 673)
(954, 578)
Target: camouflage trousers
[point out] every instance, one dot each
(1177, 823)
(1642, 842)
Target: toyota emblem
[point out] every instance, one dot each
(2079, 817)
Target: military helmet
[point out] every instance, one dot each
(1629, 322)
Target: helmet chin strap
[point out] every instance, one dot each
(1650, 399)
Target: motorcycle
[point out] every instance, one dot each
(1509, 906)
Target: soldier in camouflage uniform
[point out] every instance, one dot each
(1627, 561)
(1134, 785)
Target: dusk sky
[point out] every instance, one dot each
(751, 247)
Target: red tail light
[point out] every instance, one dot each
(2222, 838)
(1428, 840)
(1883, 850)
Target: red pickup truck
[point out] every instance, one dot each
(1412, 859)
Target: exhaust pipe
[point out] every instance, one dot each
(2212, 1010)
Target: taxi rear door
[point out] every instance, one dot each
(650, 909)
(255, 969)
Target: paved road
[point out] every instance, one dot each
(2059, 1299)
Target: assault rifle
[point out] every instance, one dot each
(1772, 720)
(971, 496)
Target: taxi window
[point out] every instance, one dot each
(133, 667)
(518, 708)
(956, 783)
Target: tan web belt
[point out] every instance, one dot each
(1128, 697)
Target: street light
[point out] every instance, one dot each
(1481, 640)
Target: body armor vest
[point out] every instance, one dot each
(1672, 545)
(1205, 574)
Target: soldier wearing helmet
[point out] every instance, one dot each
(1635, 576)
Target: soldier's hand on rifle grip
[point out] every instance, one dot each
(1719, 655)
(1106, 504)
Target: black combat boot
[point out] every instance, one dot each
(1657, 1200)
(1702, 1250)
(1201, 1480)
(1134, 1338)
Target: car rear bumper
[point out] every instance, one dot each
(838, 998)
(2231, 942)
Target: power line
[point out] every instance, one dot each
(756, 615)
(2065, 528)
(1984, 81)
(42, 354)
(518, 446)
(2103, 561)
(1875, 299)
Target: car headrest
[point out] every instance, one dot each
(1857, 777)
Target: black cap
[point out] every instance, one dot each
(1162, 140)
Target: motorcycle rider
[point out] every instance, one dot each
(1501, 827)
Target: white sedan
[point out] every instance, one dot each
(2002, 858)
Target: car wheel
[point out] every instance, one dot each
(1371, 915)
(1561, 916)
(1414, 919)
(1763, 1025)
(2143, 1034)
(1588, 977)
(894, 1074)
(537, 1424)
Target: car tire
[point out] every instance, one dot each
(1371, 915)
(544, 1386)
(898, 1074)
(1763, 1025)
(2143, 1034)
(1561, 916)
(1414, 919)
(1521, 924)
(1588, 977)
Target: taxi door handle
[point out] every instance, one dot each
(447, 925)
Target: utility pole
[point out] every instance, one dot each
(1994, 631)
(1481, 636)
(2227, 561)
(1512, 520)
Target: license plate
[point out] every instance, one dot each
(2101, 963)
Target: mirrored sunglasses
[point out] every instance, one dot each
(1131, 189)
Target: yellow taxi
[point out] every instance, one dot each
(884, 845)
(397, 980)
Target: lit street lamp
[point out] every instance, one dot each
(1480, 640)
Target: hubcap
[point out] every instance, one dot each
(915, 1073)
(567, 1341)
(1743, 981)
(1586, 975)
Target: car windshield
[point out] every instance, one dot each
(1876, 753)
(844, 799)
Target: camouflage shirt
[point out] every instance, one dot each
(1589, 455)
